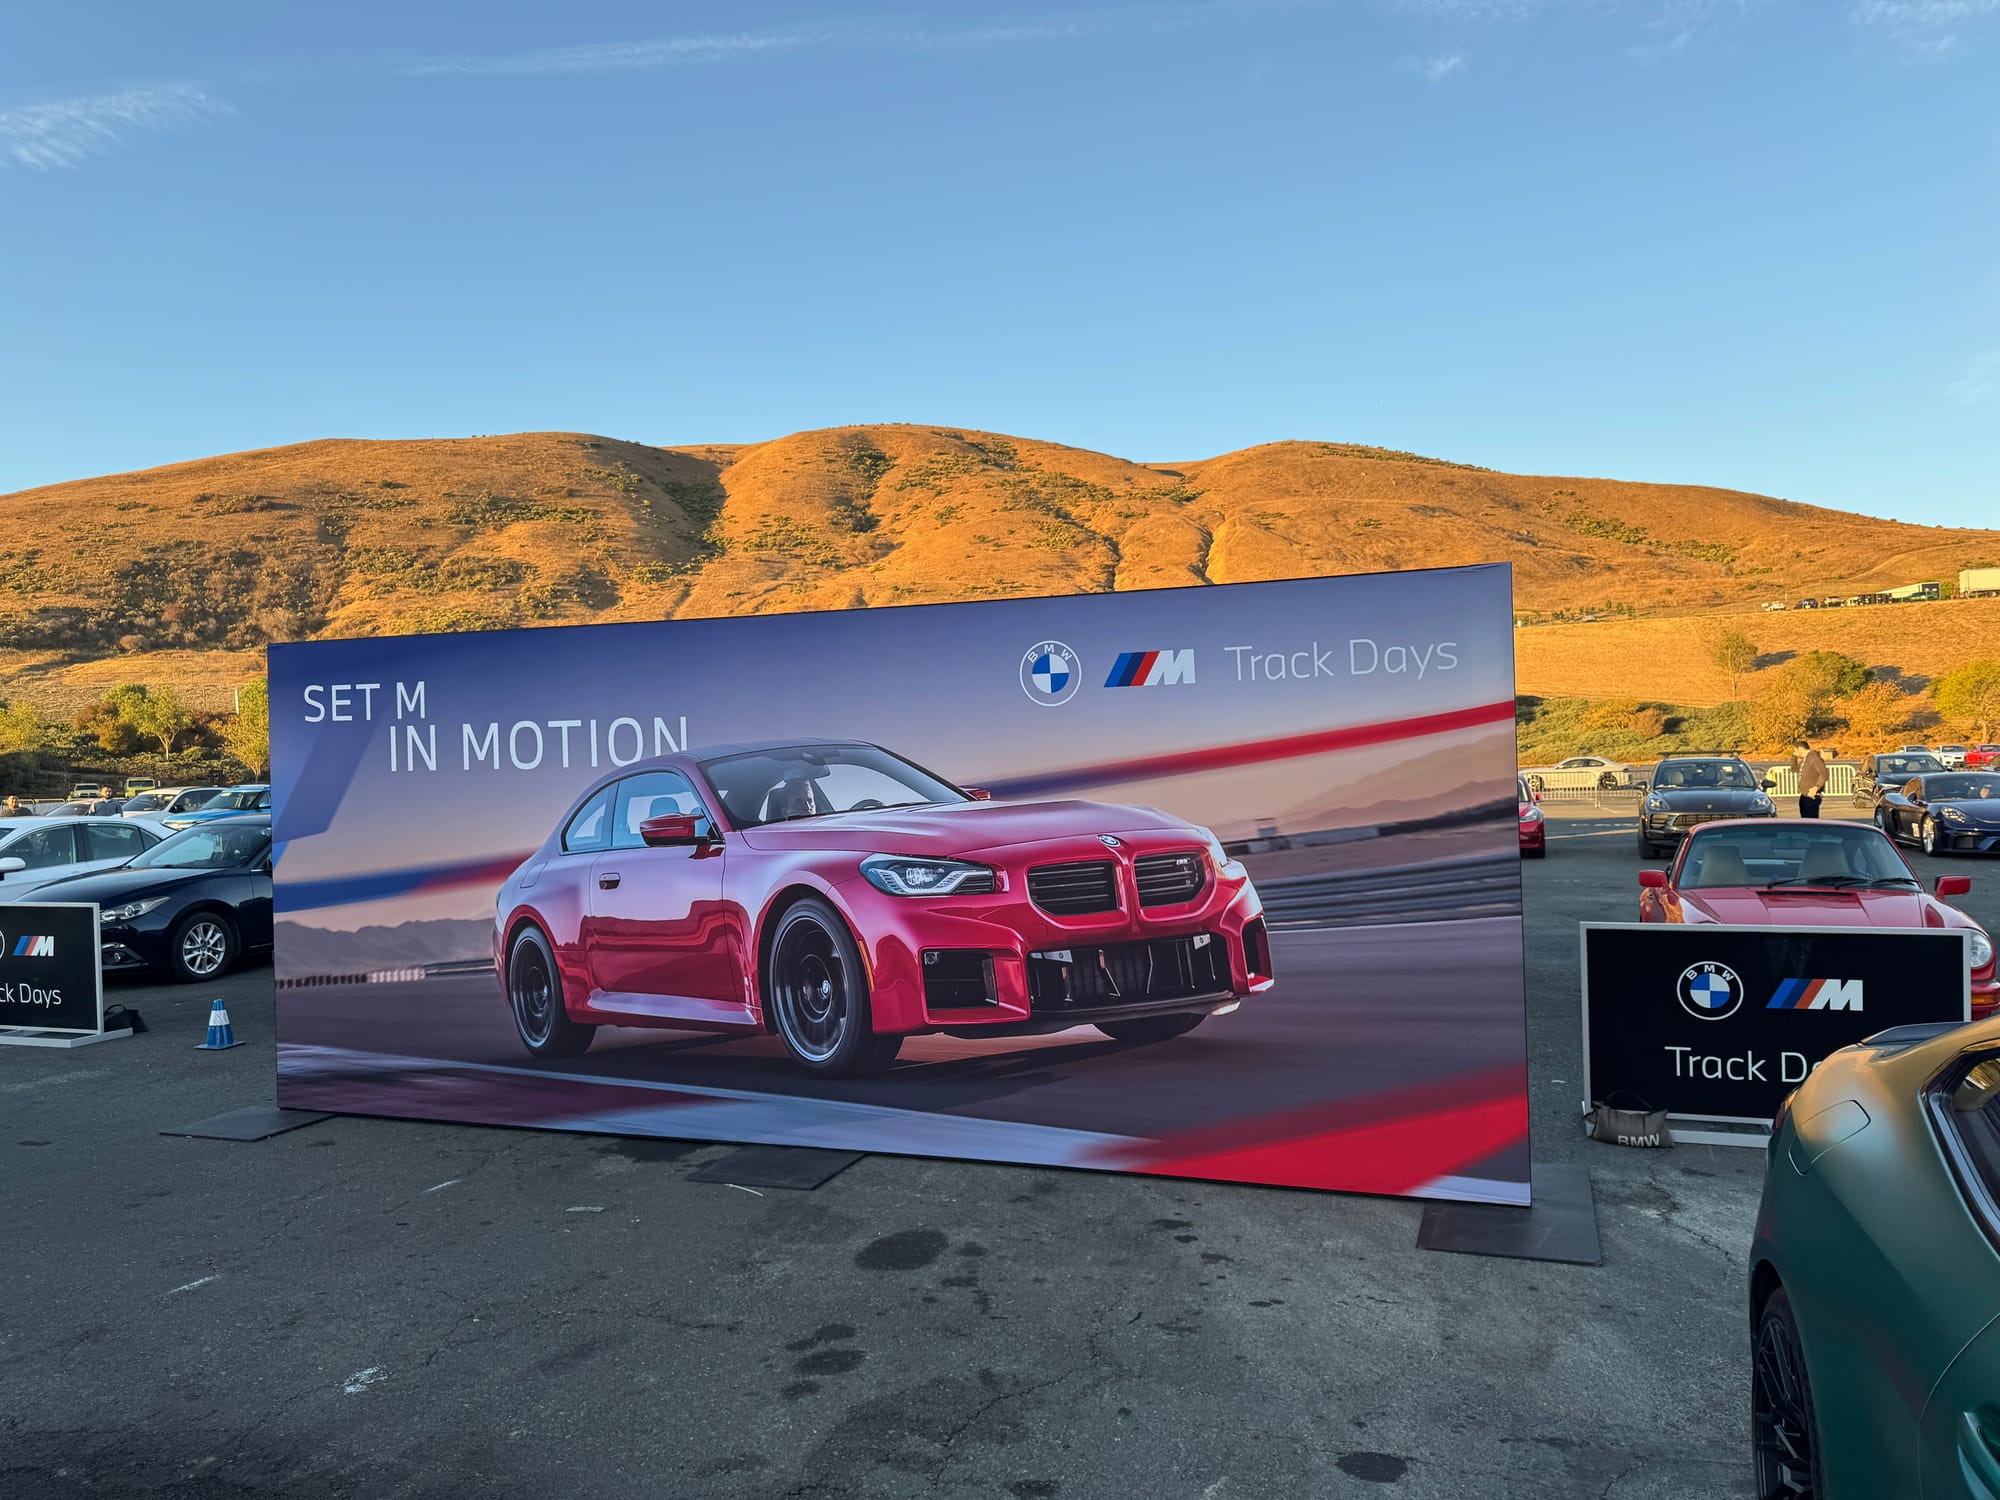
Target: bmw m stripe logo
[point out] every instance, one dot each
(1816, 994)
(1152, 669)
(35, 947)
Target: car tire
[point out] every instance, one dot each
(815, 990)
(1928, 837)
(1784, 1430)
(1647, 848)
(1536, 851)
(1151, 1028)
(202, 946)
(534, 995)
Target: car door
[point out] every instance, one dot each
(658, 937)
(46, 853)
(1902, 809)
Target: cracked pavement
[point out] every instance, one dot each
(388, 1309)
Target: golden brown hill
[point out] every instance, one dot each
(179, 573)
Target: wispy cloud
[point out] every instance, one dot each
(69, 132)
(1437, 69)
(1979, 382)
(1928, 27)
(648, 53)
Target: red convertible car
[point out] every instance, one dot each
(1763, 873)
(844, 898)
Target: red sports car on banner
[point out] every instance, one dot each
(1764, 873)
(844, 898)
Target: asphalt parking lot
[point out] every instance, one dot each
(382, 1308)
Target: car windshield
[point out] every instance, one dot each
(815, 781)
(146, 802)
(1955, 788)
(1788, 853)
(1890, 767)
(237, 799)
(1704, 775)
(231, 846)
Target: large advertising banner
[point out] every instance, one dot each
(1212, 882)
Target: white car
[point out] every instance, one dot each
(165, 801)
(1952, 755)
(35, 851)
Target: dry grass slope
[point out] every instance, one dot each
(181, 573)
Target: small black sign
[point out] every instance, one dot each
(1721, 1023)
(49, 975)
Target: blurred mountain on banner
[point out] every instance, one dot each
(181, 574)
(318, 950)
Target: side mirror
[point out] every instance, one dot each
(1656, 880)
(1768, 784)
(977, 793)
(9, 865)
(1954, 885)
(674, 830)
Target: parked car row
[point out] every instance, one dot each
(187, 901)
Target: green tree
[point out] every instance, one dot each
(155, 714)
(21, 728)
(248, 735)
(1970, 695)
(1875, 713)
(1735, 654)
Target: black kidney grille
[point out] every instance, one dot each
(1170, 879)
(1072, 890)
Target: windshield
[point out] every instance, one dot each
(1889, 767)
(233, 846)
(146, 802)
(1704, 775)
(238, 799)
(814, 781)
(1953, 788)
(1792, 854)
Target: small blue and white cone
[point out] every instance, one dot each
(221, 1035)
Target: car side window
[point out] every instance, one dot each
(590, 828)
(109, 841)
(651, 794)
(43, 848)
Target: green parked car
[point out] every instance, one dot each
(1875, 1275)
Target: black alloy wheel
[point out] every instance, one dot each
(817, 989)
(1932, 843)
(1783, 1429)
(534, 993)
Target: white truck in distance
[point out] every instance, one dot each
(1978, 583)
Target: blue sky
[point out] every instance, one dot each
(1753, 243)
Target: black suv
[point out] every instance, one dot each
(1698, 788)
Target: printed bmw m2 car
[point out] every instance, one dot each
(844, 898)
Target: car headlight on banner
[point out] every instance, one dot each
(131, 910)
(1229, 869)
(901, 875)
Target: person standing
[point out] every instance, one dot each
(1811, 768)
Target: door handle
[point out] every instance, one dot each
(608, 881)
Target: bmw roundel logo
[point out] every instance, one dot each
(1051, 673)
(1710, 991)
(1111, 841)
